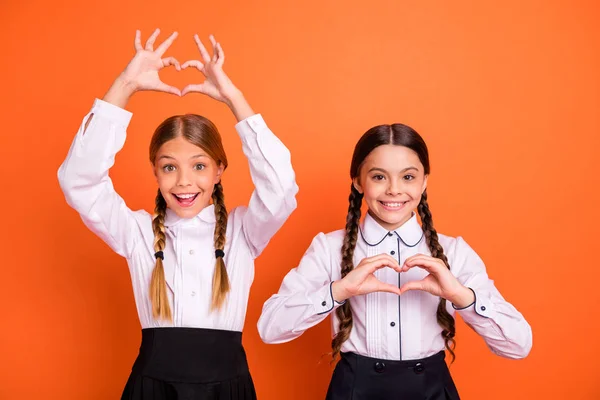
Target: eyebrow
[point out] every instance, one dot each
(402, 171)
(192, 157)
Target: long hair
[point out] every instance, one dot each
(398, 135)
(203, 133)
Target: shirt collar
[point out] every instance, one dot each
(410, 232)
(207, 215)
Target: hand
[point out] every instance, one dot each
(440, 281)
(142, 71)
(362, 281)
(217, 84)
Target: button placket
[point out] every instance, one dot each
(392, 315)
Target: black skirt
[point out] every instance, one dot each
(190, 364)
(363, 378)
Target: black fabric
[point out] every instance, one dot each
(190, 364)
(358, 377)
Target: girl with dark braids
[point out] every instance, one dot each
(191, 263)
(393, 286)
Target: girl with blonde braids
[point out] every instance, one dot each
(393, 286)
(191, 263)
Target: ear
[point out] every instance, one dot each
(357, 185)
(424, 184)
(154, 172)
(220, 169)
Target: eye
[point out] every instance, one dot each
(408, 177)
(168, 168)
(378, 177)
(199, 167)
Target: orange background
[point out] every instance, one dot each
(506, 96)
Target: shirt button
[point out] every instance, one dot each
(379, 367)
(193, 293)
(392, 323)
(419, 368)
(390, 234)
(191, 252)
(392, 252)
(482, 308)
(324, 303)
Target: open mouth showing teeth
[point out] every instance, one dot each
(393, 205)
(185, 199)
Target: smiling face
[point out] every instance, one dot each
(186, 176)
(188, 160)
(392, 180)
(390, 166)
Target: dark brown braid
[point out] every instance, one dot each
(444, 318)
(344, 312)
(220, 279)
(158, 286)
(397, 135)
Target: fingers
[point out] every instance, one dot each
(171, 61)
(198, 88)
(386, 287)
(151, 39)
(413, 285)
(213, 41)
(166, 44)
(221, 54)
(381, 261)
(193, 63)
(386, 258)
(163, 87)
(138, 41)
(202, 49)
(428, 263)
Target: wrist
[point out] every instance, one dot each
(120, 92)
(338, 292)
(464, 298)
(125, 84)
(233, 97)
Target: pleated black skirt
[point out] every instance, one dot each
(190, 364)
(363, 378)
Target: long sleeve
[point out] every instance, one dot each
(504, 329)
(274, 196)
(84, 180)
(304, 298)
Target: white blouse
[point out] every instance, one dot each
(385, 325)
(189, 254)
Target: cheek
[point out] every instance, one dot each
(165, 180)
(205, 180)
(415, 193)
(373, 190)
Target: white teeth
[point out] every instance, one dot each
(185, 196)
(392, 204)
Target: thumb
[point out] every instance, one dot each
(413, 285)
(199, 88)
(163, 87)
(386, 287)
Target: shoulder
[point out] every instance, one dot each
(324, 245)
(458, 250)
(333, 239)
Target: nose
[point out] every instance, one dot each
(183, 178)
(394, 188)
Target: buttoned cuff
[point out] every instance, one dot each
(115, 114)
(323, 300)
(481, 307)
